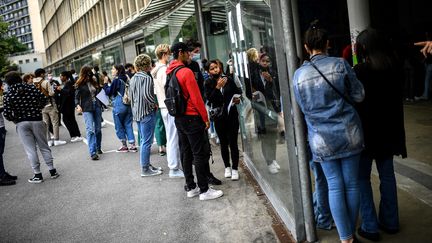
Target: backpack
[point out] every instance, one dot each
(175, 102)
(125, 98)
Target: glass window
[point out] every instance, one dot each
(27, 60)
(261, 116)
(35, 59)
(20, 61)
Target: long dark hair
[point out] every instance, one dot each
(68, 75)
(316, 37)
(120, 69)
(86, 75)
(375, 49)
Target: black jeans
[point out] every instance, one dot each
(194, 149)
(227, 131)
(71, 123)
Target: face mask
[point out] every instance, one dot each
(196, 57)
(215, 76)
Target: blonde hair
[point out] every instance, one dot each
(142, 62)
(162, 49)
(252, 54)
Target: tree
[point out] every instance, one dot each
(8, 45)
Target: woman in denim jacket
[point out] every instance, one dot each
(334, 127)
(122, 114)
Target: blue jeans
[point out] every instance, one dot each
(93, 120)
(322, 212)
(344, 195)
(428, 77)
(122, 115)
(146, 129)
(388, 208)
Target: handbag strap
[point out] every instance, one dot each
(331, 85)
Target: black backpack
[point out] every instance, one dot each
(175, 102)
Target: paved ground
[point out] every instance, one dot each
(107, 200)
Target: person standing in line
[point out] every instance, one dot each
(382, 117)
(67, 106)
(50, 112)
(143, 103)
(122, 113)
(28, 78)
(219, 93)
(159, 76)
(23, 106)
(86, 102)
(130, 70)
(5, 178)
(192, 128)
(334, 127)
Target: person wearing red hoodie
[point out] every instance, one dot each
(192, 128)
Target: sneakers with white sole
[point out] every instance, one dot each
(193, 192)
(273, 169)
(76, 139)
(59, 142)
(275, 163)
(210, 194)
(235, 175)
(176, 173)
(146, 172)
(227, 172)
(37, 178)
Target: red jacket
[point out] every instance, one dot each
(189, 87)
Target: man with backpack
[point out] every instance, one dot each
(50, 112)
(191, 124)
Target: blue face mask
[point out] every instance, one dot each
(196, 57)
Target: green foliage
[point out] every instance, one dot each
(8, 45)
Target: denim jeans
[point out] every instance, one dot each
(322, 212)
(344, 195)
(122, 115)
(2, 146)
(388, 207)
(428, 77)
(146, 129)
(93, 120)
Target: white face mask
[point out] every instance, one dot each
(196, 57)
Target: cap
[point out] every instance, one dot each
(179, 46)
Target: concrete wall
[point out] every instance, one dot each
(28, 63)
(130, 51)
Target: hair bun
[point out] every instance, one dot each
(314, 24)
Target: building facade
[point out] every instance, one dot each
(24, 23)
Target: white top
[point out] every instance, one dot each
(159, 79)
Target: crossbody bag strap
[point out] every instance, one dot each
(331, 85)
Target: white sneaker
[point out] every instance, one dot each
(227, 172)
(235, 175)
(76, 139)
(59, 142)
(50, 143)
(193, 193)
(210, 194)
(176, 173)
(275, 163)
(103, 124)
(272, 169)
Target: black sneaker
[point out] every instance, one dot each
(99, 151)
(10, 177)
(155, 168)
(368, 235)
(6, 182)
(37, 178)
(95, 157)
(388, 230)
(54, 174)
(213, 180)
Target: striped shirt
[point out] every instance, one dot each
(141, 94)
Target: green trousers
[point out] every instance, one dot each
(160, 133)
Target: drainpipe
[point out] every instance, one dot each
(123, 49)
(201, 28)
(359, 20)
(299, 123)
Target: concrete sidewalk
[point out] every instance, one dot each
(108, 201)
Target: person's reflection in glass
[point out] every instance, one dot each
(266, 101)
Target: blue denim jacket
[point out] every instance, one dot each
(334, 127)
